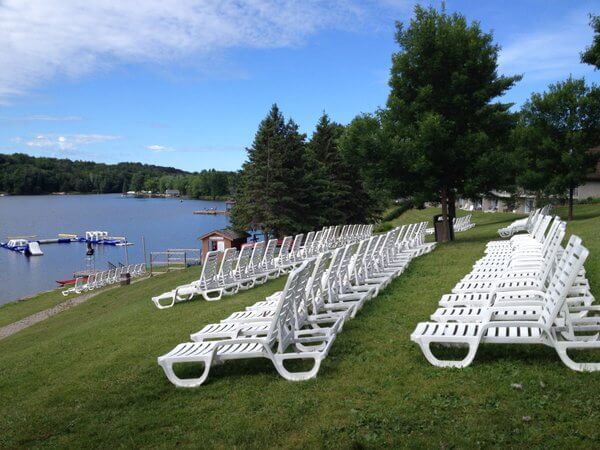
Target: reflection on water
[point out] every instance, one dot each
(165, 223)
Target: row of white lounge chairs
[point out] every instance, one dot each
(459, 224)
(523, 224)
(463, 223)
(105, 278)
(302, 321)
(225, 273)
(526, 290)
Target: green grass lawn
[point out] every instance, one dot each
(89, 377)
(11, 312)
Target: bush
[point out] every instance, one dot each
(397, 211)
(383, 227)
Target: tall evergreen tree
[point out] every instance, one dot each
(327, 175)
(271, 193)
(440, 123)
(557, 131)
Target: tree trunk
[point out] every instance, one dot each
(452, 207)
(444, 235)
(570, 217)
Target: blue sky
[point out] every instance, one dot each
(185, 83)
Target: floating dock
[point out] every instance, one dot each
(212, 212)
(31, 247)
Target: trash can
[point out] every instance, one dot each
(125, 279)
(438, 227)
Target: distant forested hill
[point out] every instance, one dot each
(24, 174)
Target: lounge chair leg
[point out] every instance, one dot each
(231, 291)
(467, 360)
(158, 302)
(310, 348)
(561, 349)
(185, 382)
(208, 297)
(296, 376)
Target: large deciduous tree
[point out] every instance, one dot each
(557, 130)
(441, 133)
(591, 55)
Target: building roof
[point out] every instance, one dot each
(226, 233)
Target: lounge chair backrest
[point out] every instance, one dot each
(566, 271)
(337, 234)
(257, 255)
(78, 283)
(316, 243)
(353, 232)
(314, 289)
(284, 251)
(226, 269)
(210, 267)
(282, 327)
(268, 259)
(344, 234)
(550, 248)
(333, 271)
(243, 261)
(326, 241)
(357, 263)
(540, 232)
(551, 235)
(296, 245)
(408, 235)
(309, 240)
(398, 243)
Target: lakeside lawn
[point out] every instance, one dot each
(89, 377)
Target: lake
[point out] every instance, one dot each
(164, 223)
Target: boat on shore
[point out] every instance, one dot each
(70, 281)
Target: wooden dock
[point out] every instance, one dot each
(212, 212)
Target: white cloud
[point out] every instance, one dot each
(549, 54)
(41, 118)
(159, 148)
(41, 40)
(64, 142)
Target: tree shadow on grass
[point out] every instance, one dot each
(496, 222)
(586, 215)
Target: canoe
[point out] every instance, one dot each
(69, 281)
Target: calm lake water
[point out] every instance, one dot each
(165, 223)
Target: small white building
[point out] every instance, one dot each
(591, 188)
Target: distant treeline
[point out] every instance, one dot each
(24, 174)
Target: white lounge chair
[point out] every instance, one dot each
(278, 345)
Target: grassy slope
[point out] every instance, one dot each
(14, 311)
(11, 312)
(89, 376)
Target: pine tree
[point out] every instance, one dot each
(325, 175)
(271, 193)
